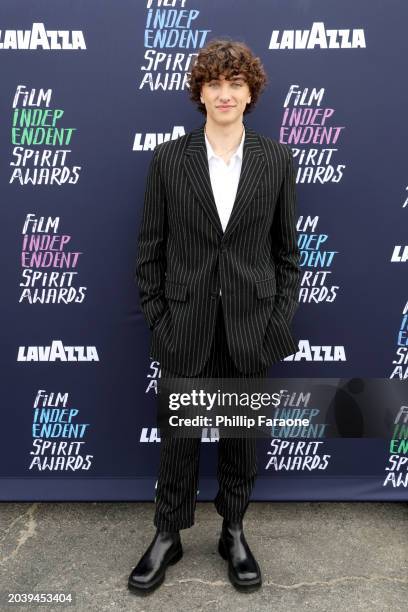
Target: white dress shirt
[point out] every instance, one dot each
(224, 179)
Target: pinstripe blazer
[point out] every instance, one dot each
(184, 257)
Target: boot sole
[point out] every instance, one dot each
(152, 586)
(245, 586)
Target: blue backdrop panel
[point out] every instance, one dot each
(88, 89)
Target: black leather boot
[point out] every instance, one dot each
(165, 549)
(243, 569)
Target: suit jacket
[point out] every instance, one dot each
(184, 257)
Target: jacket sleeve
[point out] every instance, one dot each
(151, 256)
(285, 249)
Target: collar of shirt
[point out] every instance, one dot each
(238, 152)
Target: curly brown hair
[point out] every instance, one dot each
(227, 57)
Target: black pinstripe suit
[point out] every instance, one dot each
(184, 258)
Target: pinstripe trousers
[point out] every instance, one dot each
(178, 476)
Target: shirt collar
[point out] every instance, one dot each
(238, 152)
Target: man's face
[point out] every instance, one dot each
(225, 100)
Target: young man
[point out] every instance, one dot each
(218, 275)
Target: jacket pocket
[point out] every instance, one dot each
(175, 291)
(266, 287)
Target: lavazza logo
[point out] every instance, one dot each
(307, 352)
(318, 36)
(40, 38)
(57, 352)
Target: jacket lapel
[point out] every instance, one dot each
(197, 170)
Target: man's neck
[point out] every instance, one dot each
(224, 138)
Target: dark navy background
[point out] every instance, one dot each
(99, 91)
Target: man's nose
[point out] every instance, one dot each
(225, 94)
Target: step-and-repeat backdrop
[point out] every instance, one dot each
(87, 91)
